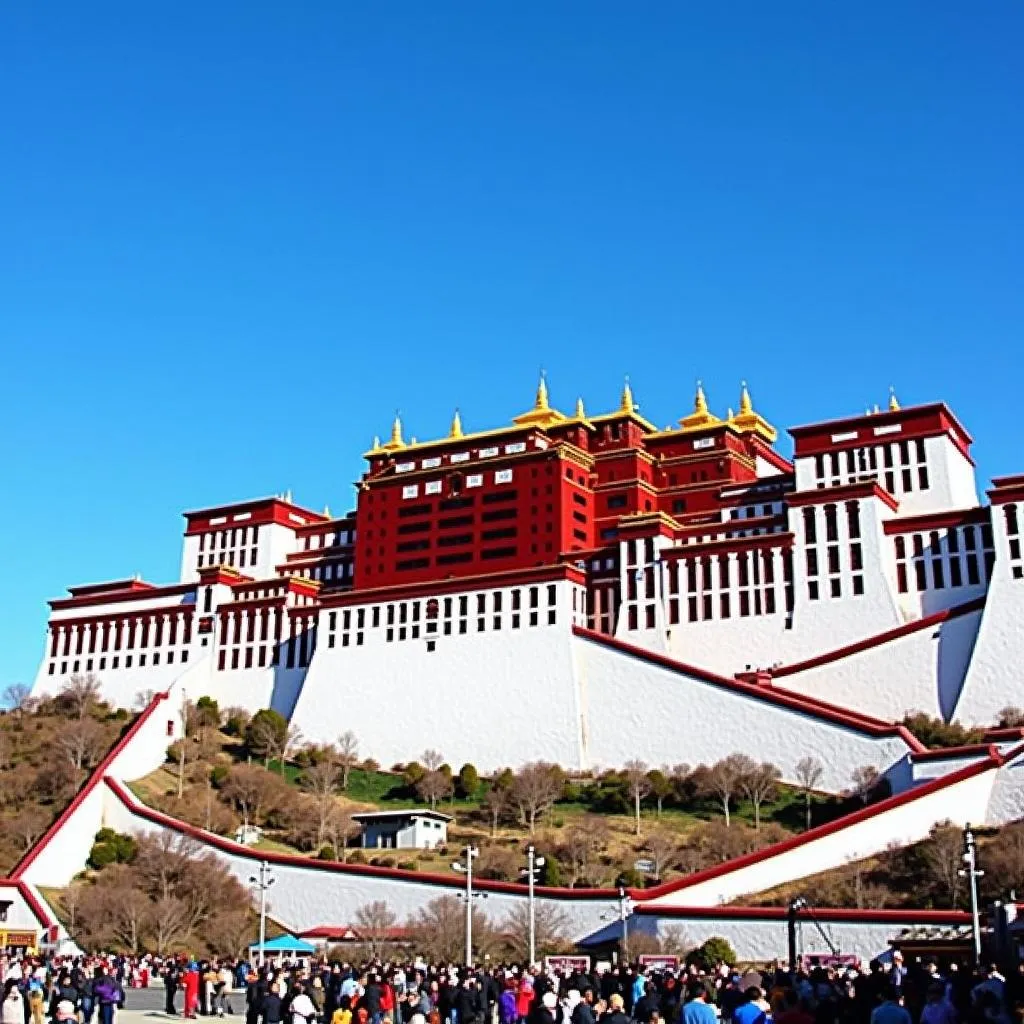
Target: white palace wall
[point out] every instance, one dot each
(995, 676)
(668, 715)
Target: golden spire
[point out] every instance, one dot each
(626, 403)
(541, 415)
(580, 414)
(729, 415)
(396, 436)
(456, 428)
(750, 421)
(746, 406)
(376, 444)
(542, 393)
(894, 404)
(700, 417)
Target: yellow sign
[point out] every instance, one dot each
(19, 939)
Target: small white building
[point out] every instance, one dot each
(410, 829)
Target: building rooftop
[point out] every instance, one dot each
(407, 812)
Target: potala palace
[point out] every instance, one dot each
(554, 588)
(588, 589)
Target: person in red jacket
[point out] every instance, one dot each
(191, 986)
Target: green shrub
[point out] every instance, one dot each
(551, 872)
(408, 865)
(326, 852)
(219, 775)
(934, 732)
(265, 733)
(630, 878)
(712, 951)
(357, 857)
(468, 783)
(101, 855)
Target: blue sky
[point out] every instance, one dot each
(236, 236)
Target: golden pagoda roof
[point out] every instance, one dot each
(748, 421)
(541, 415)
(701, 417)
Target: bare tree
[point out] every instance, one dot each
(1011, 718)
(374, 922)
(661, 785)
(348, 754)
(438, 931)
(28, 826)
(81, 695)
(535, 789)
(432, 759)
(760, 785)
(16, 697)
(434, 786)
(808, 771)
(291, 739)
(639, 785)
(252, 790)
(320, 780)
(81, 741)
(552, 929)
(722, 780)
(496, 800)
(864, 780)
(662, 847)
(583, 841)
(142, 699)
(943, 854)
(342, 827)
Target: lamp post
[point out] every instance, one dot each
(970, 870)
(264, 881)
(467, 869)
(624, 908)
(533, 865)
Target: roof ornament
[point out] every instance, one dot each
(376, 443)
(456, 428)
(580, 413)
(894, 404)
(288, 495)
(541, 402)
(626, 403)
(749, 420)
(327, 511)
(396, 434)
(700, 417)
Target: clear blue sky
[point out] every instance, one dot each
(235, 236)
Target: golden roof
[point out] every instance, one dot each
(700, 418)
(396, 441)
(541, 415)
(748, 421)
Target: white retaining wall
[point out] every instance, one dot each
(907, 822)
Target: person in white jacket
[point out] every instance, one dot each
(302, 1009)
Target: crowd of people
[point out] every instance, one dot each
(84, 990)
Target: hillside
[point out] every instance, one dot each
(922, 875)
(234, 769)
(47, 749)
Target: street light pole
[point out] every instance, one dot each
(467, 868)
(623, 915)
(533, 863)
(970, 869)
(264, 881)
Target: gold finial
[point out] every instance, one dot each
(748, 420)
(894, 404)
(729, 415)
(700, 417)
(580, 413)
(700, 402)
(456, 428)
(376, 443)
(626, 403)
(542, 393)
(541, 415)
(746, 406)
(396, 435)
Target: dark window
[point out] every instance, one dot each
(413, 528)
(450, 504)
(412, 563)
(617, 501)
(508, 531)
(508, 552)
(414, 545)
(579, 499)
(462, 556)
(452, 539)
(810, 528)
(491, 499)
(453, 521)
(415, 510)
(499, 513)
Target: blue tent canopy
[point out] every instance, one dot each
(284, 944)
